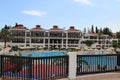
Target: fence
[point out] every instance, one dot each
(38, 68)
(46, 68)
(0, 66)
(87, 64)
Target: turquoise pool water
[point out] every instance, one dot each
(44, 54)
(101, 60)
(97, 52)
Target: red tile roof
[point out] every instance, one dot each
(55, 28)
(38, 27)
(72, 28)
(20, 26)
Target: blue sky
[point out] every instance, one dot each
(64, 13)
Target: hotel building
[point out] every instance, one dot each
(55, 37)
(98, 40)
(39, 37)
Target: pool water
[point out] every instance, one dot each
(44, 54)
(103, 60)
(98, 52)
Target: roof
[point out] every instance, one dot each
(38, 27)
(72, 28)
(55, 28)
(20, 26)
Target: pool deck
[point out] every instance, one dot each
(100, 76)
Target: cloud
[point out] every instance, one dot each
(86, 2)
(34, 13)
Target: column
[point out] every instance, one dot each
(30, 41)
(72, 65)
(44, 39)
(44, 42)
(25, 39)
(62, 43)
(48, 43)
(66, 39)
(48, 40)
(79, 43)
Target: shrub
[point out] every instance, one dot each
(15, 48)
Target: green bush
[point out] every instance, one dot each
(15, 48)
(72, 50)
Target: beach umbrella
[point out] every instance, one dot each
(27, 47)
(86, 48)
(118, 49)
(95, 49)
(102, 50)
(105, 47)
(40, 47)
(109, 50)
(98, 47)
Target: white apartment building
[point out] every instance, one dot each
(98, 40)
(39, 37)
(55, 37)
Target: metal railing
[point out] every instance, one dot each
(87, 64)
(35, 68)
(0, 66)
(48, 68)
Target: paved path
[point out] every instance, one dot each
(100, 76)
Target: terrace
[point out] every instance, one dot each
(71, 66)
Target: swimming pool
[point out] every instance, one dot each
(97, 52)
(44, 54)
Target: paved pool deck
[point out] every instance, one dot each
(99, 76)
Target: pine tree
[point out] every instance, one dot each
(96, 30)
(92, 29)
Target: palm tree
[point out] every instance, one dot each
(5, 36)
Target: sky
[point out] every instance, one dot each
(64, 13)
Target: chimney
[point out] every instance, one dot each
(55, 26)
(38, 26)
(72, 27)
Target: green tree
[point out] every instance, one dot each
(16, 24)
(99, 37)
(92, 29)
(118, 44)
(101, 31)
(88, 42)
(5, 35)
(107, 31)
(96, 30)
(114, 44)
(118, 35)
